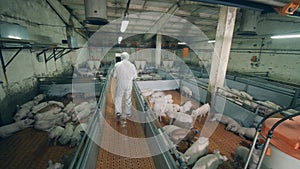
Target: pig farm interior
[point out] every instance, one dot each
(216, 85)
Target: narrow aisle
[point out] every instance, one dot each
(122, 151)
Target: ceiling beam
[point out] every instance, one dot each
(67, 17)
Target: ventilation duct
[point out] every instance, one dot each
(95, 12)
(13, 31)
(248, 22)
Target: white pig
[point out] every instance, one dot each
(170, 128)
(198, 149)
(44, 125)
(77, 134)
(160, 109)
(187, 91)
(39, 97)
(29, 104)
(21, 114)
(172, 110)
(184, 120)
(178, 134)
(39, 107)
(246, 132)
(67, 134)
(55, 165)
(186, 107)
(232, 125)
(81, 115)
(69, 108)
(49, 115)
(241, 154)
(59, 104)
(9, 129)
(81, 106)
(147, 92)
(55, 133)
(201, 111)
(210, 161)
(157, 94)
(220, 118)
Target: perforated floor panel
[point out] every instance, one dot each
(121, 151)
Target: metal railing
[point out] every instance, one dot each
(84, 149)
(154, 128)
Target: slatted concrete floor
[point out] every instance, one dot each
(121, 151)
(221, 139)
(30, 149)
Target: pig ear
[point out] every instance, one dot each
(216, 151)
(224, 158)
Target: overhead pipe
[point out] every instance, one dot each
(258, 5)
(161, 21)
(240, 4)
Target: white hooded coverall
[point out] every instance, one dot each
(124, 73)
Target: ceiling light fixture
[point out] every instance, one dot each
(124, 24)
(120, 39)
(181, 43)
(285, 36)
(14, 37)
(211, 41)
(125, 20)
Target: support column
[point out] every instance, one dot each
(221, 53)
(158, 51)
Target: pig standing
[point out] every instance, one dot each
(210, 161)
(188, 92)
(197, 150)
(201, 111)
(172, 110)
(186, 107)
(9, 129)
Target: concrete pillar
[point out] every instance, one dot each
(220, 56)
(158, 51)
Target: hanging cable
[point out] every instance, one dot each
(126, 10)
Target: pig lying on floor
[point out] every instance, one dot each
(210, 161)
(9, 129)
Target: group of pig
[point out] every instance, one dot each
(196, 155)
(234, 126)
(241, 97)
(64, 123)
(163, 106)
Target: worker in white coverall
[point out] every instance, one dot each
(124, 72)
